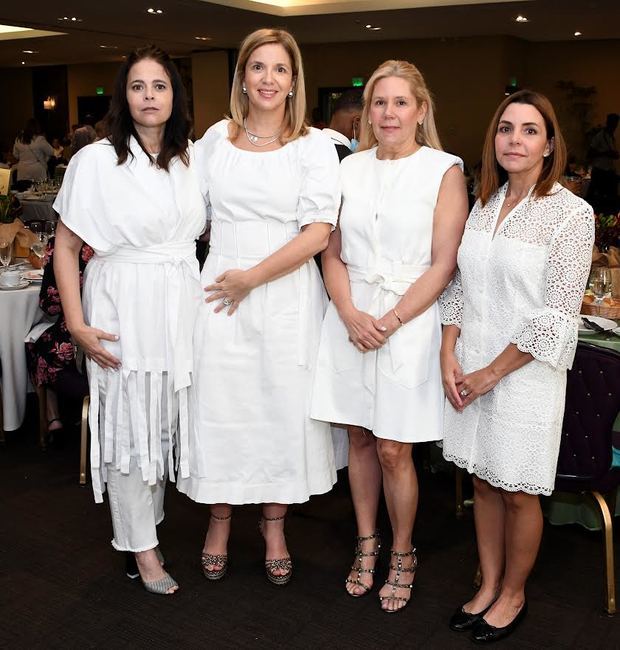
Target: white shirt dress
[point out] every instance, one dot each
(523, 285)
(142, 284)
(386, 223)
(252, 440)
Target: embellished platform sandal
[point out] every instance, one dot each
(358, 563)
(219, 561)
(281, 564)
(396, 583)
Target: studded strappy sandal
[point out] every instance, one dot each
(219, 561)
(281, 564)
(358, 565)
(396, 584)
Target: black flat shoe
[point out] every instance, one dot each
(131, 566)
(462, 621)
(485, 633)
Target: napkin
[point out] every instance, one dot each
(17, 233)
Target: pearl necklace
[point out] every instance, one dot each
(253, 138)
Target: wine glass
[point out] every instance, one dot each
(39, 245)
(600, 284)
(6, 250)
(50, 228)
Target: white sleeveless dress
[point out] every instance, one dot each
(386, 222)
(252, 440)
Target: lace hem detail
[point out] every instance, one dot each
(549, 336)
(490, 477)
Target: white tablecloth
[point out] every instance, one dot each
(19, 310)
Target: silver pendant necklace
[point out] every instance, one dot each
(254, 138)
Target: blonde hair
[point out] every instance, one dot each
(295, 124)
(426, 133)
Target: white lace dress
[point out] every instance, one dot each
(523, 286)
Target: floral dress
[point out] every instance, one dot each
(53, 352)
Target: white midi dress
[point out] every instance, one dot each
(252, 440)
(143, 285)
(523, 285)
(386, 223)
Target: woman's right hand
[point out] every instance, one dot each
(88, 338)
(364, 331)
(451, 372)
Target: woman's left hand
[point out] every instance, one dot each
(230, 288)
(477, 383)
(390, 322)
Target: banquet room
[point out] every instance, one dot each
(64, 584)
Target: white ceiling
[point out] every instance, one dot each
(121, 25)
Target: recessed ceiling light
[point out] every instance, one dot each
(151, 10)
(71, 19)
(109, 47)
(30, 51)
(577, 34)
(202, 38)
(368, 26)
(373, 29)
(23, 63)
(521, 19)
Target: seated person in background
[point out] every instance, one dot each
(344, 126)
(52, 357)
(81, 137)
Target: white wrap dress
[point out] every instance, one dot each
(523, 285)
(386, 223)
(143, 285)
(252, 440)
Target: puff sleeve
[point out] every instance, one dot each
(319, 200)
(549, 334)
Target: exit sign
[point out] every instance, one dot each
(99, 90)
(357, 82)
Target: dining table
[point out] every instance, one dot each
(19, 311)
(38, 208)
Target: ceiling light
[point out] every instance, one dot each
(109, 47)
(23, 63)
(30, 51)
(577, 34)
(70, 19)
(521, 19)
(202, 38)
(368, 26)
(373, 29)
(151, 10)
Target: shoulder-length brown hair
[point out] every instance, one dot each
(426, 133)
(492, 175)
(119, 125)
(295, 124)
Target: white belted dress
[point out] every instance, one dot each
(252, 439)
(142, 284)
(386, 223)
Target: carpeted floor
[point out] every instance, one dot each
(62, 585)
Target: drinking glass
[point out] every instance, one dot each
(50, 228)
(6, 250)
(39, 245)
(600, 283)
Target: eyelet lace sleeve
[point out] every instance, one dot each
(549, 334)
(451, 302)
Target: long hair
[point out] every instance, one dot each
(492, 175)
(119, 123)
(426, 133)
(31, 130)
(295, 110)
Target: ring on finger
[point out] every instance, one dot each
(227, 302)
(464, 393)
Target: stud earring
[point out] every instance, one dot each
(244, 90)
(290, 92)
(546, 154)
(420, 123)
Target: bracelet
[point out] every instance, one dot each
(398, 318)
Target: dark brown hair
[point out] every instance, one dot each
(119, 124)
(493, 175)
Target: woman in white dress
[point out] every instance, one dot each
(135, 199)
(273, 188)
(394, 252)
(510, 333)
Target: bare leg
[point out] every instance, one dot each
(216, 539)
(400, 486)
(489, 515)
(365, 483)
(523, 534)
(273, 532)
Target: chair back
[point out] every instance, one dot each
(592, 405)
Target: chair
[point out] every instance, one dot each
(84, 439)
(585, 460)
